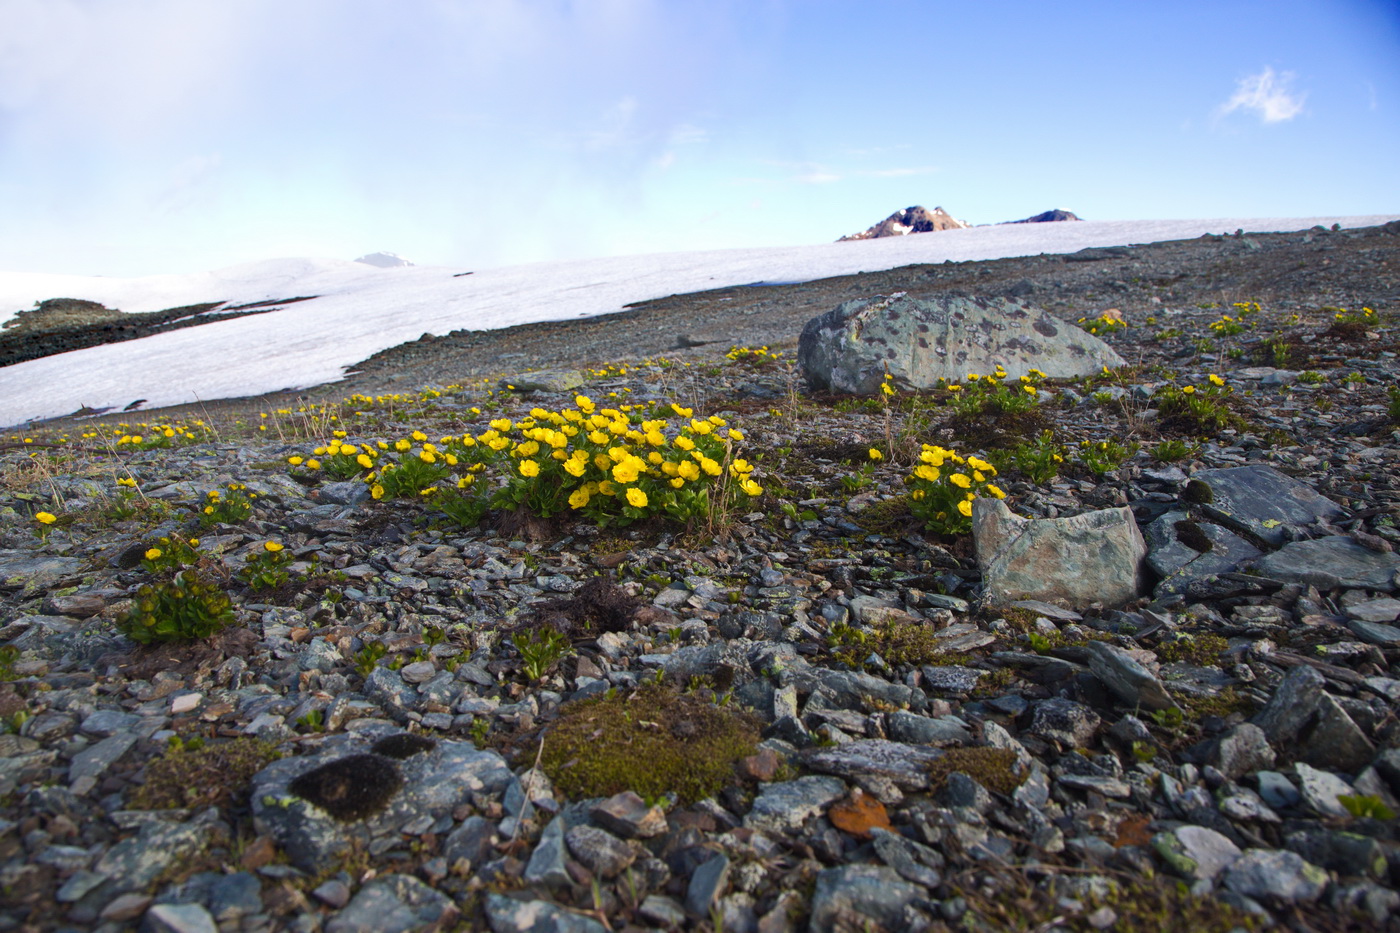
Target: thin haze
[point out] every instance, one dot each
(153, 136)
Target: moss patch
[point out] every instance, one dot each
(403, 745)
(350, 788)
(993, 768)
(198, 776)
(654, 741)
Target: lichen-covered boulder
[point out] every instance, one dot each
(1095, 557)
(920, 341)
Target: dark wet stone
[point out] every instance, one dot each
(1307, 724)
(850, 896)
(1331, 563)
(394, 904)
(507, 915)
(1259, 500)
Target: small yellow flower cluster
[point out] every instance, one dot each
(944, 485)
(754, 357)
(610, 464)
(1108, 322)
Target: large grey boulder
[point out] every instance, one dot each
(1095, 557)
(920, 341)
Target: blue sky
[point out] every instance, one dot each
(148, 136)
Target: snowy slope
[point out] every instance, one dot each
(362, 309)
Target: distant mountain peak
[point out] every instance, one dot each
(1048, 217)
(384, 260)
(916, 219)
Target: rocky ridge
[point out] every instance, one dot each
(934, 750)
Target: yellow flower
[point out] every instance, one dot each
(580, 497)
(419, 436)
(126, 481)
(960, 480)
(402, 443)
(886, 388)
(875, 454)
(927, 473)
(965, 507)
(376, 491)
(500, 424)
(208, 510)
(194, 542)
(636, 498)
(995, 491)
(528, 449)
(313, 464)
(1189, 390)
(272, 547)
(154, 553)
(710, 466)
(684, 443)
(529, 468)
(364, 461)
(427, 456)
(598, 437)
(750, 487)
(585, 405)
(1030, 390)
(735, 434)
(575, 467)
(683, 412)
(1216, 380)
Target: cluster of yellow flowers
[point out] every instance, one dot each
(612, 464)
(943, 486)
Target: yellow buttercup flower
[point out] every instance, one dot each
(965, 507)
(272, 547)
(376, 491)
(875, 454)
(529, 468)
(364, 461)
(579, 498)
(960, 479)
(636, 498)
(154, 553)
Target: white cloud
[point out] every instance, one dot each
(1268, 95)
(900, 172)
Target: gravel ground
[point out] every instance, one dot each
(896, 747)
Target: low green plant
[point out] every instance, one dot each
(1200, 411)
(1174, 451)
(1227, 326)
(990, 396)
(265, 569)
(195, 774)
(944, 485)
(1193, 649)
(367, 658)
(341, 460)
(993, 768)
(1039, 460)
(9, 656)
(170, 554)
(1109, 322)
(226, 509)
(1311, 377)
(1101, 457)
(1366, 806)
(539, 649)
(1167, 333)
(1354, 379)
(314, 721)
(184, 608)
(1393, 408)
(755, 357)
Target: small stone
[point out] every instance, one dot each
(662, 911)
(1071, 724)
(849, 896)
(546, 865)
(1196, 852)
(1107, 786)
(1307, 723)
(1331, 563)
(126, 907)
(1127, 677)
(915, 862)
(1320, 790)
(185, 702)
(1274, 875)
(334, 893)
(707, 884)
(785, 806)
(1375, 610)
(394, 904)
(418, 672)
(1242, 750)
(924, 730)
(629, 816)
(1375, 633)
(180, 918)
(905, 765)
(599, 850)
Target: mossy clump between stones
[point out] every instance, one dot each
(196, 775)
(1190, 534)
(1198, 492)
(1201, 650)
(403, 745)
(350, 788)
(653, 741)
(993, 768)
